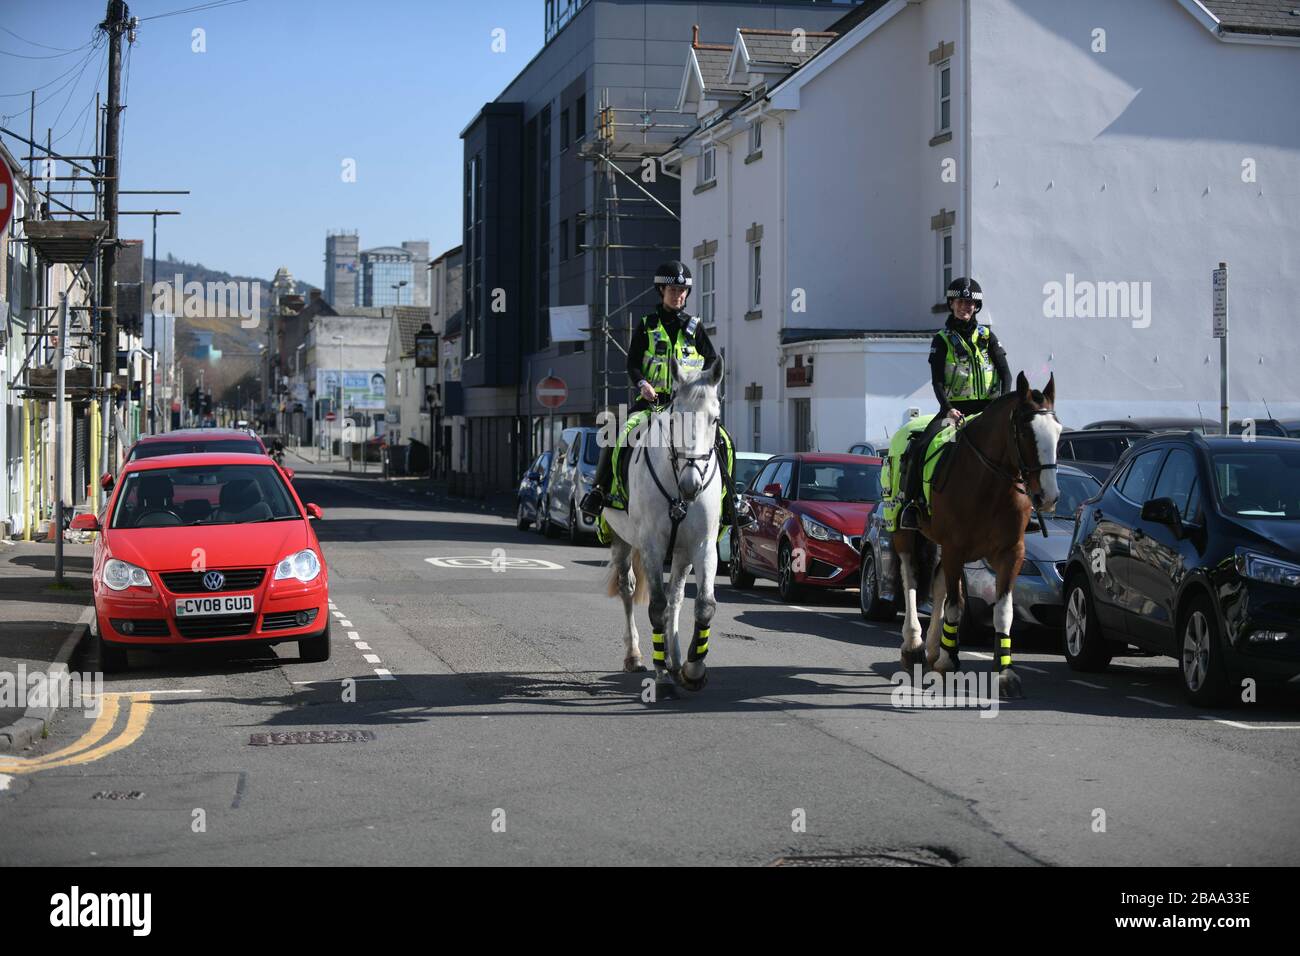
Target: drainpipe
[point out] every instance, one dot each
(966, 139)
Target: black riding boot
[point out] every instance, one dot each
(595, 499)
(735, 509)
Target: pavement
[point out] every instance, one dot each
(474, 711)
(40, 625)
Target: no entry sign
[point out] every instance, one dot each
(552, 391)
(7, 195)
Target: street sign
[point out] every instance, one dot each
(552, 391)
(330, 416)
(426, 347)
(1220, 284)
(8, 194)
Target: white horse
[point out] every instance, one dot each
(673, 473)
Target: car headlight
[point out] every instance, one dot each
(1260, 567)
(815, 529)
(304, 566)
(120, 575)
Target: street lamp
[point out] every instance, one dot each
(338, 415)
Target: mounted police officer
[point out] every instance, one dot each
(668, 332)
(968, 369)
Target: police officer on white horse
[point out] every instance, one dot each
(968, 369)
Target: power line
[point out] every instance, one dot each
(204, 6)
(43, 45)
(53, 81)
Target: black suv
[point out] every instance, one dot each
(1192, 549)
(1096, 450)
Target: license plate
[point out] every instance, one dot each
(210, 606)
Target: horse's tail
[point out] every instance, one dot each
(641, 591)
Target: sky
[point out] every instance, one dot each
(259, 125)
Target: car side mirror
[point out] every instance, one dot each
(313, 511)
(86, 522)
(106, 481)
(773, 490)
(1163, 511)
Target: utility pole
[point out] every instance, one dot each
(115, 24)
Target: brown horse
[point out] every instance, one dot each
(1001, 465)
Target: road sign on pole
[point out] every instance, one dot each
(1220, 286)
(8, 195)
(552, 392)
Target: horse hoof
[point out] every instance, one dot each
(633, 665)
(693, 685)
(1009, 687)
(912, 658)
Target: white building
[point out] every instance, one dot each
(1089, 164)
(356, 346)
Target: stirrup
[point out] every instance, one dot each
(909, 519)
(592, 503)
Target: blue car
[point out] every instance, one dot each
(532, 491)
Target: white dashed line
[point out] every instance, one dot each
(833, 617)
(361, 646)
(371, 658)
(1084, 683)
(1241, 726)
(332, 680)
(1148, 700)
(338, 613)
(978, 655)
(384, 673)
(345, 623)
(796, 607)
(353, 636)
(1027, 667)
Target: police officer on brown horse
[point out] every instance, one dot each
(968, 369)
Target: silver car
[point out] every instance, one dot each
(572, 472)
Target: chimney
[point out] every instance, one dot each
(315, 294)
(695, 35)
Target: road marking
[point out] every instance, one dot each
(88, 749)
(979, 656)
(1027, 667)
(345, 623)
(353, 635)
(1084, 683)
(371, 658)
(796, 607)
(384, 673)
(833, 617)
(361, 646)
(338, 613)
(493, 562)
(128, 693)
(1148, 700)
(1241, 726)
(332, 680)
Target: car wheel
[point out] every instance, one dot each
(741, 579)
(548, 526)
(786, 585)
(314, 650)
(1086, 647)
(874, 607)
(522, 521)
(1205, 673)
(575, 529)
(112, 659)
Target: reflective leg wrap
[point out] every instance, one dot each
(699, 644)
(1004, 650)
(658, 655)
(949, 636)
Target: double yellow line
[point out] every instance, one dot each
(92, 745)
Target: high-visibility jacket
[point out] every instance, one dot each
(659, 347)
(968, 371)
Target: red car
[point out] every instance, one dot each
(207, 549)
(193, 441)
(811, 510)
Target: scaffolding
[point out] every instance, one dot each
(628, 142)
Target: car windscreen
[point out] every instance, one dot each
(1075, 490)
(746, 469)
(591, 450)
(1259, 483)
(833, 481)
(202, 495)
(157, 449)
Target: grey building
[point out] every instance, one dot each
(341, 263)
(549, 222)
(419, 251)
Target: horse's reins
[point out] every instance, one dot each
(1019, 480)
(677, 505)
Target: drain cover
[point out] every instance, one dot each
(311, 737)
(118, 795)
(908, 856)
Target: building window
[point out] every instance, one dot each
(756, 412)
(756, 137)
(473, 256)
(945, 261)
(945, 96)
(708, 164)
(564, 239)
(579, 234)
(756, 276)
(707, 293)
(564, 130)
(580, 118)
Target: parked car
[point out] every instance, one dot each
(571, 476)
(532, 491)
(863, 448)
(1292, 426)
(1192, 549)
(1096, 450)
(206, 549)
(1037, 600)
(811, 511)
(748, 465)
(1262, 426)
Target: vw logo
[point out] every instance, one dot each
(214, 580)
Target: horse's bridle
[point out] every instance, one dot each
(1020, 479)
(677, 505)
